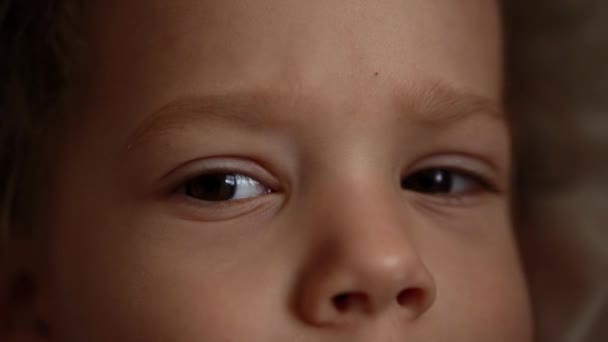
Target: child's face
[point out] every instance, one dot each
(281, 170)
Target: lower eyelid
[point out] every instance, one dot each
(192, 209)
(449, 208)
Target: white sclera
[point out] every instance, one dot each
(248, 187)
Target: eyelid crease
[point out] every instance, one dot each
(461, 161)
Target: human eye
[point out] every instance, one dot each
(222, 186)
(444, 181)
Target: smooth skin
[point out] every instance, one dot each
(369, 160)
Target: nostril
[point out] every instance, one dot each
(412, 297)
(341, 302)
(344, 302)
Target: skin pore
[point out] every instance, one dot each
(282, 170)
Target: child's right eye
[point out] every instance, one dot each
(223, 186)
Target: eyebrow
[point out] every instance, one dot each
(251, 110)
(444, 105)
(438, 105)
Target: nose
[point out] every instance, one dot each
(364, 266)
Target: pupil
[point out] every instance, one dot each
(432, 181)
(212, 187)
(437, 181)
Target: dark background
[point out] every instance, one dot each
(557, 93)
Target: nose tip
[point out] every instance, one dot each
(363, 262)
(349, 290)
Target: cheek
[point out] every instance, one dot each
(484, 296)
(497, 309)
(135, 281)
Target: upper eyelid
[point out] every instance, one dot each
(465, 163)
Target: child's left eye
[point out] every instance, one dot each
(222, 186)
(437, 181)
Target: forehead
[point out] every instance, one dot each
(308, 40)
(144, 54)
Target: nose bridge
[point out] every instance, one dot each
(371, 236)
(360, 198)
